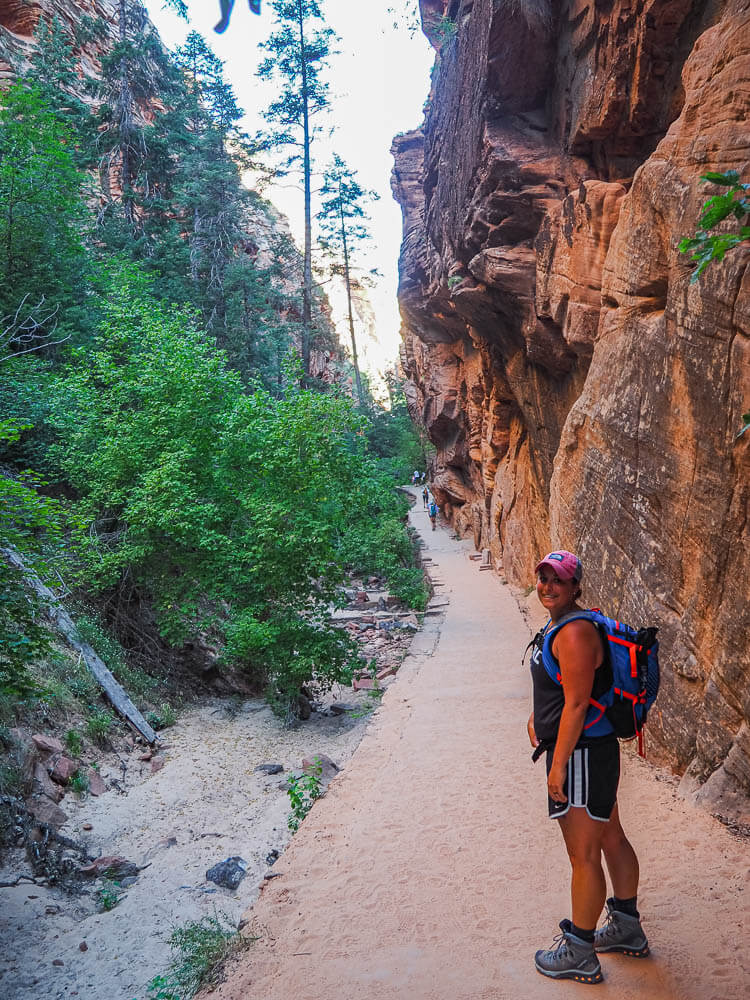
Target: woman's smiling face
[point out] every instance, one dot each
(556, 595)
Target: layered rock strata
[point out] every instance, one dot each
(580, 391)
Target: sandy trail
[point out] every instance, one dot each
(430, 870)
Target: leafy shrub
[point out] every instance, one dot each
(303, 791)
(98, 727)
(163, 718)
(73, 742)
(108, 895)
(199, 948)
(79, 783)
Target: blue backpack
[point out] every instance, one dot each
(632, 656)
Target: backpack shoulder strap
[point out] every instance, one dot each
(548, 657)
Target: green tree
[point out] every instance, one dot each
(236, 513)
(42, 258)
(297, 54)
(54, 72)
(342, 218)
(135, 139)
(210, 193)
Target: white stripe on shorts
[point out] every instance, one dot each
(578, 777)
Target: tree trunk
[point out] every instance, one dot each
(63, 623)
(347, 276)
(307, 275)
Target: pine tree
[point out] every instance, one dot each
(297, 52)
(54, 72)
(211, 196)
(342, 219)
(135, 161)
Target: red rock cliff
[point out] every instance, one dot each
(579, 390)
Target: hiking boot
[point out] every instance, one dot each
(573, 958)
(621, 933)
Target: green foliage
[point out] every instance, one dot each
(745, 423)
(73, 742)
(445, 29)
(198, 948)
(732, 204)
(394, 438)
(303, 791)
(140, 686)
(236, 512)
(32, 525)
(98, 726)
(108, 895)
(42, 260)
(296, 58)
(163, 718)
(79, 783)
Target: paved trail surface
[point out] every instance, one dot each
(430, 870)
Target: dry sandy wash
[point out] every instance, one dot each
(431, 872)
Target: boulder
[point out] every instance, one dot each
(46, 811)
(322, 765)
(96, 783)
(61, 769)
(111, 866)
(228, 873)
(44, 785)
(47, 744)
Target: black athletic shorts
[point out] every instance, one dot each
(593, 776)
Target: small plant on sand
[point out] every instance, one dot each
(303, 791)
(108, 895)
(79, 783)
(163, 718)
(199, 948)
(73, 742)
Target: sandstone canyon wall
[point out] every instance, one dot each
(580, 392)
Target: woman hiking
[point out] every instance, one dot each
(432, 510)
(583, 771)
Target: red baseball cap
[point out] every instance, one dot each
(565, 564)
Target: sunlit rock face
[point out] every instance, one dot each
(579, 390)
(18, 24)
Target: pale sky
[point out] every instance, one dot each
(379, 82)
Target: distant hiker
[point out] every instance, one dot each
(583, 771)
(226, 13)
(432, 510)
(415, 477)
(425, 497)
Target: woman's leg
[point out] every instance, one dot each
(583, 839)
(622, 862)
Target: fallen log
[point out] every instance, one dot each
(63, 623)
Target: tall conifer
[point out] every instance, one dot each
(297, 54)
